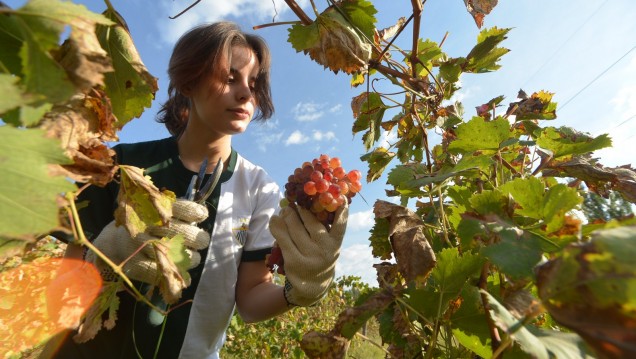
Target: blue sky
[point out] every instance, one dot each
(567, 47)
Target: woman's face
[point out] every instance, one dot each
(226, 106)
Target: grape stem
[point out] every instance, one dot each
(81, 239)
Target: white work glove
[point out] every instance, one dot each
(309, 252)
(116, 243)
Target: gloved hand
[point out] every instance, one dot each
(309, 252)
(116, 243)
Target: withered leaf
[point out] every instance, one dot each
(413, 253)
(83, 58)
(172, 281)
(589, 289)
(335, 343)
(141, 203)
(82, 125)
(597, 177)
(332, 42)
(479, 9)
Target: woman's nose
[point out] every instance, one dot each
(244, 92)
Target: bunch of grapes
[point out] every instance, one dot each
(321, 186)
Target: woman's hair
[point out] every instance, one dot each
(201, 53)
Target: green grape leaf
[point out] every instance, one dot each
(378, 160)
(403, 173)
(481, 162)
(517, 252)
(539, 343)
(478, 134)
(470, 325)
(452, 272)
(42, 22)
(12, 94)
(42, 74)
(467, 230)
(141, 203)
(557, 202)
(451, 69)
(427, 52)
(490, 202)
(27, 115)
(303, 37)
(11, 39)
(485, 55)
(460, 195)
(368, 110)
(591, 289)
(380, 244)
(528, 193)
(362, 15)
(28, 190)
(131, 88)
(565, 141)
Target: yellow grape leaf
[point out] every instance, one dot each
(140, 202)
(43, 298)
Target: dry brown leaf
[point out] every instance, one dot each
(413, 253)
(597, 177)
(479, 9)
(82, 125)
(340, 47)
(140, 202)
(171, 283)
(84, 59)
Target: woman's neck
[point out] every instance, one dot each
(195, 146)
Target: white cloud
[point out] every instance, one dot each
(357, 260)
(308, 111)
(296, 138)
(265, 134)
(625, 100)
(215, 10)
(335, 108)
(323, 136)
(388, 138)
(359, 221)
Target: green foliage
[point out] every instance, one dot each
(492, 208)
(597, 208)
(280, 337)
(28, 193)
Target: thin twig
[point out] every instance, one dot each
(257, 27)
(184, 11)
(304, 18)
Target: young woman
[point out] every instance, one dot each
(219, 82)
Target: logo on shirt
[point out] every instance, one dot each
(240, 231)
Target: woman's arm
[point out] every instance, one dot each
(257, 297)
